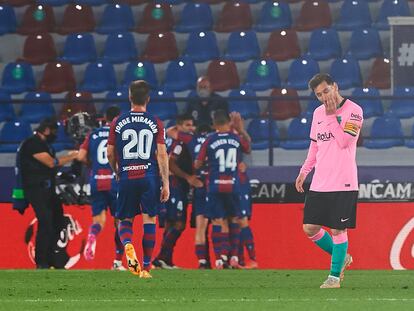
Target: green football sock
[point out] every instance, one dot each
(338, 258)
(324, 242)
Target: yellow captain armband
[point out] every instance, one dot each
(351, 128)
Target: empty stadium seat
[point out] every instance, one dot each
(119, 98)
(297, 134)
(120, 48)
(386, 132)
(12, 134)
(285, 108)
(98, 77)
(160, 48)
(195, 17)
(18, 77)
(63, 140)
(400, 107)
(38, 106)
(223, 75)
(77, 102)
(354, 14)
(162, 104)
(133, 2)
(312, 105)
(37, 19)
(391, 8)
(365, 44)
(157, 17)
(242, 46)
(116, 18)
(39, 49)
(380, 74)
(262, 75)
(79, 49)
(235, 16)
(8, 22)
(248, 108)
(409, 142)
(18, 2)
(6, 107)
(324, 44)
(282, 45)
(372, 107)
(58, 77)
(313, 14)
(54, 2)
(346, 72)
(262, 136)
(181, 75)
(140, 70)
(77, 18)
(274, 15)
(202, 46)
(301, 70)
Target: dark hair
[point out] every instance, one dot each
(221, 117)
(111, 113)
(203, 128)
(139, 91)
(318, 79)
(49, 122)
(183, 117)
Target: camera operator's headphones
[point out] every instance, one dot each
(79, 125)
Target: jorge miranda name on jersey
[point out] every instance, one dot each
(140, 119)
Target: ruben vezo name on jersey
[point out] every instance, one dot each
(225, 141)
(136, 119)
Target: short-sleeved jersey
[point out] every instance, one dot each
(223, 152)
(135, 136)
(101, 176)
(333, 148)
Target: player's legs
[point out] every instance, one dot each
(98, 222)
(201, 248)
(234, 236)
(340, 259)
(148, 243)
(247, 240)
(218, 224)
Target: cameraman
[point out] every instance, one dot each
(38, 165)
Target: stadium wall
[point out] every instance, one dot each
(383, 239)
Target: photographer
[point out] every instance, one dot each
(38, 165)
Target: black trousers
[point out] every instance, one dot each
(49, 214)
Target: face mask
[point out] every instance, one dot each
(51, 138)
(203, 92)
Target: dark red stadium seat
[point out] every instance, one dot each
(133, 2)
(77, 102)
(37, 19)
(380, 74)
(234, 16)
(157, 17)
(39, 49)
(313, 14)
(223, 75)
(160, 47)
(282, 45)
(77, 18)
(210, 1)
(283, 109)
(18, 2)
(58, 77)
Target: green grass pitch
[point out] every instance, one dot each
(204, 290)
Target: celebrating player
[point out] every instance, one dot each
(138, 156)
(103, 187)
(333, 194)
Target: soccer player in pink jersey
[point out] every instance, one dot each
(332, 198)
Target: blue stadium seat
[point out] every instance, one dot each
(402, 108)
(140, 70)
(195, 17)
(202, 46)
(12, 134)
(8, 22)
(301, 70)
(18, 77)
(312, 105)
(259, 132)
(181, 75)
(38, 106)
(386, 132)
(298, 134)
(391, 8)
(92, 2)
(163, 105)
(116, 18)
(354, 14)
(409, 142)
(118, 97)
(54, 2)
(172, 1)
(262, 75)
(324, 44)
(242, 46)
(63, 140)
(98, 77)
(346, 72)
(248, 108)
(120, 48)
(365, 44)
(371, 107)
(6, 107)
(274, 15)
(79, 49)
